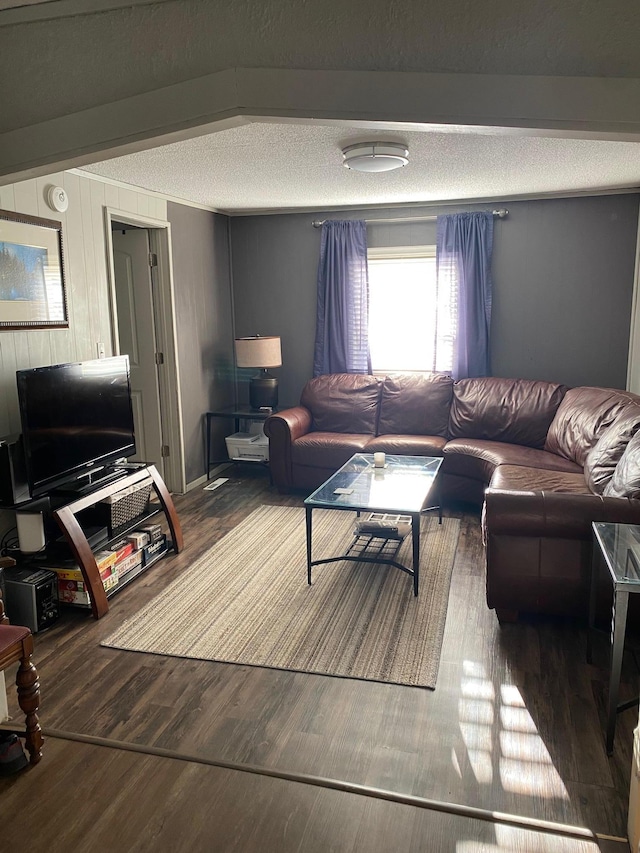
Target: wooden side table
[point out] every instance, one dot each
(618, 545)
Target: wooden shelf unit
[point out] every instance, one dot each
(66, 517)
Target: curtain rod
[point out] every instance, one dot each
(318, 223)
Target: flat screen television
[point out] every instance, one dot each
(77, 419)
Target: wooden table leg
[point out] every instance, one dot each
(28, 686)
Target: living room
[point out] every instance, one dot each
(563, 267)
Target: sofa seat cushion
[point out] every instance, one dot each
(582, 417)
(407, 445)
(327, 450)
(519, 478)
(415, 404)
(478, 458)
(517, 411)
(343, 402)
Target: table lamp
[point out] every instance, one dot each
(262, 352)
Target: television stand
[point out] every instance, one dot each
(66, 518)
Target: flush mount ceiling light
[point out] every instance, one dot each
(375, 156)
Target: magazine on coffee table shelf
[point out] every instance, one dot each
(383, 525)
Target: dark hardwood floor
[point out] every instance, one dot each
(514, 725)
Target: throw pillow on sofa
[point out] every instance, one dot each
(604, 456)
(625, 482)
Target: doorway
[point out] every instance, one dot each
(137, 336)
(143, 328)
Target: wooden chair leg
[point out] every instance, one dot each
(28, 686)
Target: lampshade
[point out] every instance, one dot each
(375, 156)
(258, 352)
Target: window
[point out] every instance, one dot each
(411, 321)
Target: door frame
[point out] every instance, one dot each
(166, 338)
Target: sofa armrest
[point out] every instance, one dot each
(282, 429)
(552, 514)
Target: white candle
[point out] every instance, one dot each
(378, 460)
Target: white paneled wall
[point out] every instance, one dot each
(85, 267)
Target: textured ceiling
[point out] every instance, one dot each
(270, 166)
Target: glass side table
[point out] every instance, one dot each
(235, 413)
(619, 546)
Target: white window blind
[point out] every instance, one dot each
(412, 320)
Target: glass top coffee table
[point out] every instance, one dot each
(405, 486)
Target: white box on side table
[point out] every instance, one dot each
(246, 447)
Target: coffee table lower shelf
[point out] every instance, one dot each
(379, 554)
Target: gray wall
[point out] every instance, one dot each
(563, 272)
(563, 283)
(274, 289)
(204, 327)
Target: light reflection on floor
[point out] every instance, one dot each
(501, 738)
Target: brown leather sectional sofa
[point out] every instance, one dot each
(542, 460)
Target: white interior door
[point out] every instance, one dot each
(137, 337)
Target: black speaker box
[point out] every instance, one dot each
(31, 597)
(13, 475)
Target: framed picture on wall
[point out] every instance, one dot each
(32, 291)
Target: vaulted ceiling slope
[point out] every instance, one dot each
(65, 64)
(91, 79)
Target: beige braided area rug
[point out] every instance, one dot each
(247, 601)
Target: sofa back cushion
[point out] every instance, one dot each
(625, 482)
(517, 411)
(583, 416)
(604, 456)
(343, 402)
(415, 404)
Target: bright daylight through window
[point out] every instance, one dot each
(411, 320)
